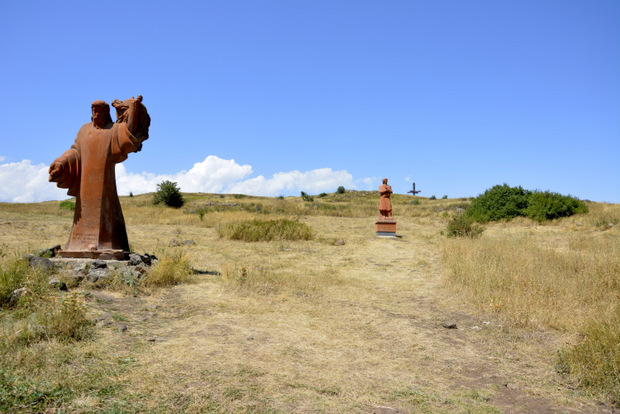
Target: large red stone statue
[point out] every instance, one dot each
(385, 226)
(87, 171)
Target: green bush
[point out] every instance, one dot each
(340, 190)
(462, 225)
(500, 202)
(433, 197)
(201, 213)
(444, 197)
(306, 197)
(67, 205)
(257, 230)
(505, 203)
(169, 194)
(548, 206)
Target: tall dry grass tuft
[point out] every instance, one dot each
(535, 283)
(172, 269)
(595, 361)
(265, 230)
(603, 216)
(574, 287)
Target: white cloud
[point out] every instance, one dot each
(293, 182)
(212, 175)
(24, 182)
(370, 183)
(209, 176)
(136, 183)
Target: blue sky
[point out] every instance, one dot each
(277, 97)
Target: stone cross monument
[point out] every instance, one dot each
(87, 171)
(414, 191)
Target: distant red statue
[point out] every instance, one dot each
(87, 171)
(385, 225)
(385, 205)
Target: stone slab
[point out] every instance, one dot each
(94, 254)
(386, 234)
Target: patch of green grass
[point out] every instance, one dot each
(68, 205)
(43, 366)
(42, 319)
(13, 275)
(477, 396)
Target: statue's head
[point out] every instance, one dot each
(385, 181)
(101, 114)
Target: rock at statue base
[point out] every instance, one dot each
(385, 228)
(94, 254)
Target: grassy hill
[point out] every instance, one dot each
(341, 321)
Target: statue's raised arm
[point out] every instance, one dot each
(133, 113)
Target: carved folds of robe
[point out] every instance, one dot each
(88, 173)
(385, 205)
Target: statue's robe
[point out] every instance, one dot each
(385, 205)
(89, 175)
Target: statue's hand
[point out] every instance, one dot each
(56, 170)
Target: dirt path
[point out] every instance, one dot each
(373, 341)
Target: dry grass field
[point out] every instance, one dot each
(344, 322)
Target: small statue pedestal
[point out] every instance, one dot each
(94, 254)
(385, 227)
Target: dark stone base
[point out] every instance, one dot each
(94, 254)
(385, 228)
